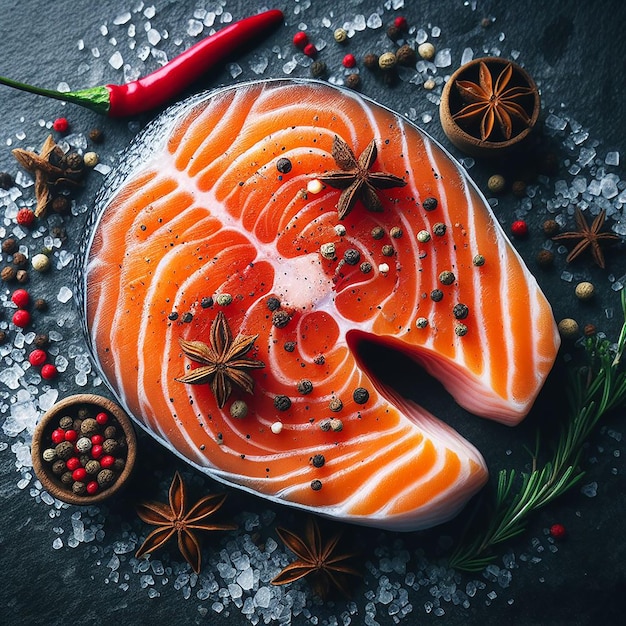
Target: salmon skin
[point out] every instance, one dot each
(224, 300)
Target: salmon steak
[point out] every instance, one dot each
(249, 241)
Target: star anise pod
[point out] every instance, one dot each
(174, 519)
(491, 103)
(222, 359)
(356, 179)
(317, 560)
(48, 171)
(588, 238)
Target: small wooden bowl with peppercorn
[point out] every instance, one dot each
(84, 449)
(489, 107)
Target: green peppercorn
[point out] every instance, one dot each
(460, 329)
(318, 69)
(478, 260)
(89, 427)
(447, 277)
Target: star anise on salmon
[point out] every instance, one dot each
(317, 559)
(174, 519)
(491, 103)
(588, 237)
(223, 361)
(356, 179)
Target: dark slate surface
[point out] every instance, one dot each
(576, 51)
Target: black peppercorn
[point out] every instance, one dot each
(394, 33)
(436, 295)
(439, 229)
(545, 258)
(388, 250)
(316, 485)
(280, 318)
(361, 395)
(20, 260)
(6, 181)
(173, 316)
(378, 232)
(273, 304)
(335, 405)
(366, 267)
(318, 460)
(460, 311)
(283, 165)
(282, 403)
(187, 317)
(550, 228)
(351, 256)
(61, 205)
(206, 302)
(290, 346)
(305, 386)
(8, 274)
(3, 336)
(430, 204)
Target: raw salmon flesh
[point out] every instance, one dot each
(218, 244)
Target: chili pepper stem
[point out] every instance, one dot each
(94, 98)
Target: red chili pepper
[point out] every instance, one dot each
(164, 84)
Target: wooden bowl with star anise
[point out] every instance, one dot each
(489, 107)
(84, 449)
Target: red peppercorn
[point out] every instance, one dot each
(519, 228)
(558, 531)
(400, 23)
(300, 39)
(92, 487)
(37, 357)
(58, 436)
(49, 371)
(71, 435)
(96, 451)
(310, 50)
(20, 298)
(21, 318)
(102, 418)
(107, 461)
(349, 60)
(96, 440)
(73, 463)
(25, 217)
(61, 125)
(79, 474)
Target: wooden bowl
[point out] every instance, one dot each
(89, 405)
(465, 135)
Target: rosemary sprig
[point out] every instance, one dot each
(594, 389)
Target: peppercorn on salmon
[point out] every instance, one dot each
(247, 244)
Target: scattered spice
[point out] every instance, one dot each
(282, 403)
(370, 61)
(423, 236)
(545, 258)
(395, 232)
(406, 56)
(439, 229)
(387, 61)
(436, 295)
(224, 299)
(222, 360)
(305, 386)
(519, 228)
(41, 262)
(355, 178)
(280, 319)
(318, 460)
(550, 228)
(426, 50)
(361, 395)
(478, 260)
(460, 330)
(310, 50)
(6, 181)
(378, 232)
(460, 311)
(388, 250)
(335, 405)
(276, 428)
(588, 238)
(318, 69)
(238, 409)
(273, 303)
(328, 250)
(283, 165)
(421, 322)
(447, 277)
(496, 183)
(25, 217)
(351, 256)
(558, 531)
(353, 81)
(316, 484)
(317, 559)
(349, 61)
(518, 188)
(490, 103)
(175, 519)
(568, 328)
(340, 35)
(365, 267)
(584, 290)
(300, 39)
